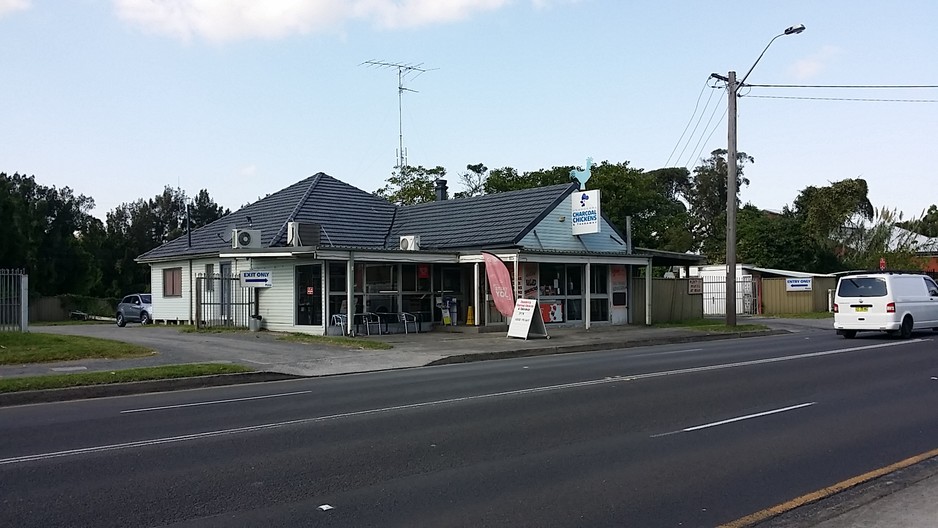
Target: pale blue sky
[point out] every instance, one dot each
(117, 98)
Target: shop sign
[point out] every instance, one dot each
(695, 286)
(524, 323)
(585, 214)
(800, 284)
(256, 279)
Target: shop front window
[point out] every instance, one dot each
(309, 294)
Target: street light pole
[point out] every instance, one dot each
(732, 91)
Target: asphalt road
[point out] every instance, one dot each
(683, 435)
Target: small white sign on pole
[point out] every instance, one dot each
(527, 320)
(800, 284)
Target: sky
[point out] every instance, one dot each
(117, 99)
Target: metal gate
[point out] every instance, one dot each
(14, 300)
(220, 300)
(714, 291)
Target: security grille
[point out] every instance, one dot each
(714, 292)
(220, 300)
(14, 300)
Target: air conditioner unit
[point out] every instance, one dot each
(410, 242)
(303, 234)
(245, 238)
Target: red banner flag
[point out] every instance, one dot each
(499, 284)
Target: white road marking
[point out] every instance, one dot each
(214, 402)
(68, 369)
(255, 362)
(381, 410)
(737, 419)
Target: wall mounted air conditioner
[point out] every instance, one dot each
(303, 234)
(410, 242)
(245, 238)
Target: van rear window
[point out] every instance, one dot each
(862, 287)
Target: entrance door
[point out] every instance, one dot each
(224, 299)
(309, 295)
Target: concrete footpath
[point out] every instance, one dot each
(907, 497)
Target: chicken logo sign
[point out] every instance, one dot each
(585, 212)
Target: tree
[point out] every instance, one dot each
(508, 179)
(660, 219)
(927, 225)
(43, 235)
(706, 195)
(472, 181)
(778, 241)
(204, 210)
(411, 185)
(830, 213)
(881, 237)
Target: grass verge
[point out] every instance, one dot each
(61, 381)
(714, 325)
(17, 348)
(347, 342)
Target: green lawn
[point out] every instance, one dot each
(59, 381)
(17, 348)
(348, 342)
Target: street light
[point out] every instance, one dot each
(732, 87)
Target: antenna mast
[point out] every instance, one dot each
(403, 70)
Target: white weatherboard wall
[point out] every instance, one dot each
(278, 303)
(555, 232)
(170, 308)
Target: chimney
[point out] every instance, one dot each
(440, 190)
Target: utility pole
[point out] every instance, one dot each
(403, 70)
(732, 92)
(731, 89)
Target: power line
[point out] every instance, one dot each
(697, 125)
(697, 147)
(704, 144)
(696, 105)
(861, 86)
(864, 99)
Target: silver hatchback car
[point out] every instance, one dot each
(136, 308)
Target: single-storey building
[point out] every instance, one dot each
(327, 257)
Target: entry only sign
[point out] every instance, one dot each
(800, 284)
(256, 279)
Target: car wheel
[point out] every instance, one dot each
(144, 318)
(905, 331)
(120, 320)
(849, 334)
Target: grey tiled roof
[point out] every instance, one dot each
(349, 217)
(492, 220)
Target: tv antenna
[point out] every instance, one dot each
(403, 71)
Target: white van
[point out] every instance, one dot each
(896, 303)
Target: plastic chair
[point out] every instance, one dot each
(409, 318)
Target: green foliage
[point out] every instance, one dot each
(866, 243)
(61, 381)
(826, 212)
(19, 348)
(927, 225)
(411, 185)
(706, 196)
(659, 219)
(507, 179)
(473, 181)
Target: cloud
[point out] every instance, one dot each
(226, 20)
(9, 6)
(814, 64)
(248, 171)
